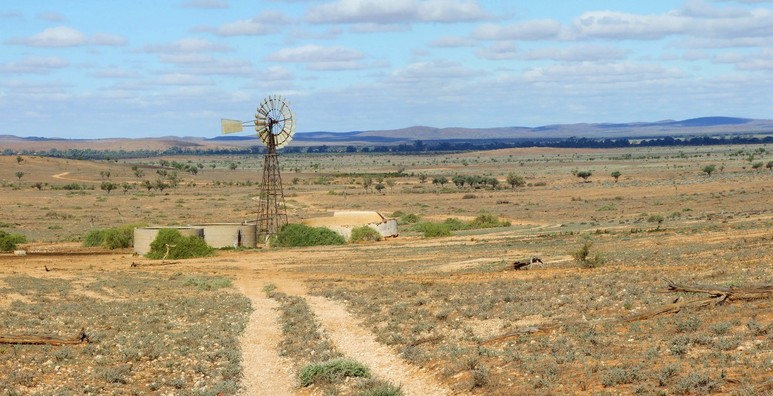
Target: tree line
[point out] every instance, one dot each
(417, 146)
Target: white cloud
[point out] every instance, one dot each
(621, 25)
(542, 29)
(601, 73)
(452, 42)
(34, 65)
(114, 72)
(578, 53)
(396, 11)
(431, 70)
(270, 21)
(205, 4)
(501, 50)
(51, 16)
(63, 36)
(315, 53)
(188, 45)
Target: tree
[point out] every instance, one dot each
(108, 186)
(147, 184)
(757, 165)
(493, 181)
(367, 181)
(442, 180)
(422, 177)
(616, 175)
(160, 185)
(709, 169)
(769, 165)
(379, 187)
(515, 180)
(20, 174)
(232, 166)
(459, 180)
(126, 187)
(584, 175)
(391, 183)
(139, 173)
(19, 159)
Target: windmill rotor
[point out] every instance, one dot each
(274, 120)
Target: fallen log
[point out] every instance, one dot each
(37, 340)
(717, 296)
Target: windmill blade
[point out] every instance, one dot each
(231, 126)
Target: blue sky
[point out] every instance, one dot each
(99, 69)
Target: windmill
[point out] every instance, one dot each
(275, 126)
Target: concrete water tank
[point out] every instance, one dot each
(220, 235)
(144, 236)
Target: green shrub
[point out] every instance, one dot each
(365, 234)
(332, 371)
(8, 241)
(583, 257)
(112, 238)
(433, 230)
(184, 247)
(487, 220)
(374, 387)
(208, 282)
(293, 235)
(455, 224)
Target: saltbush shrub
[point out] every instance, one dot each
(365, 234)
(112, 238)
(583, 257)
(433, 230)
(184, 247)
(8, 241)
(332, 371)
(294, 235)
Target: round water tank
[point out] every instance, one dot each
(144, 236)
(220, 235)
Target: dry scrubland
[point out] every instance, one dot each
(436, 302)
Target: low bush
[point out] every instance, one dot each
(583, 257)
(332, 371)
(9, 241)
(181, 247)
(365, 234)
(433, 230)
(294, 235)
(112, 238)
(487, 220)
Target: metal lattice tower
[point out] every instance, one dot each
(275, 126)
(272, 214)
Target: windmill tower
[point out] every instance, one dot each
(275, 126)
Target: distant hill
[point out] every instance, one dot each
(704, 126)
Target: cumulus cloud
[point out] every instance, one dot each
(541, 29)
(396, 11)
(205, 4)
(430, 70)
(267, 22)
(452, 42)
(593, 72)
(188, 45)
(578, 53)
(51, 16)
(34, 65)
(63, 36)
(498, 51)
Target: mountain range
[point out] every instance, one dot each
(704, 126)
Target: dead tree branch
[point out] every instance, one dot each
(36, 340)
